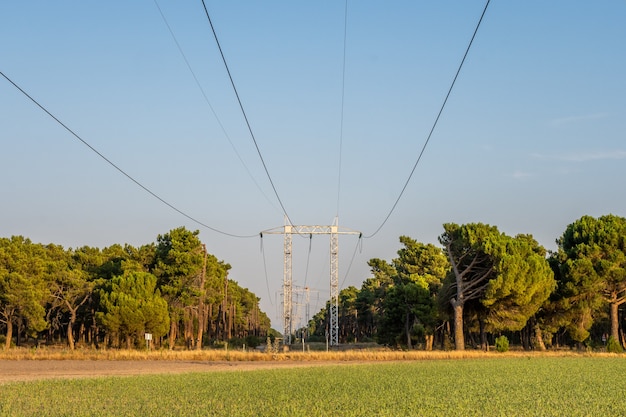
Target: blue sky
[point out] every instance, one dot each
(531, 139)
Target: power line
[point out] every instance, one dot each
(434, 124)
(308, 258)
(120, 170)
(267, 282)
(232, 82)
(358, 244)
(343, 94)
(208, 102)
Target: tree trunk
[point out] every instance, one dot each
(484, 345)
(219, 322)
(19, 332)
(442, 335)
(539, 338)
(188, 328)
(7, 343)
(82, 337)
(526, 336)
(94, 329)
(210, 332)
(201, 324)
(201, 307)
(172, 338)
(459, 338)
(70, 327)
(429, 342)
(230, 321)
(224, 304)
(615, 321)
(407, 329)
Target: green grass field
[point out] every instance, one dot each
(518, 386)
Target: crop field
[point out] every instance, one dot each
(495, 386)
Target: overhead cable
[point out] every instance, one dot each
(434, 124)
(308, 258)
(267, 282)
(359, 246)
(120, 170)
(232, 82)
(208, 102)
(343, 94)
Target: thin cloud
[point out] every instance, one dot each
(585, 156)
(520, 175)
(564, 121)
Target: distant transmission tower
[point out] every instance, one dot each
(301, 306)
(288, 314)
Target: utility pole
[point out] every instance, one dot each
(334, 231)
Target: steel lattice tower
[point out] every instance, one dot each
(334, 231)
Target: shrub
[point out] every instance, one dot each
(220, 344)
(316, 339)
(252, 341)
(272, 347)
(613, 346)
(236, 342)
(502, 344)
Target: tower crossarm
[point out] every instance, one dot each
(310, 230)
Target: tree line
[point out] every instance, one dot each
(481, 284)
(172, 289)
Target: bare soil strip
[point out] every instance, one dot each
(26, 370)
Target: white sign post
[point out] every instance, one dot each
(148, 337)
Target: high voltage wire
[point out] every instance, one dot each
(267, 283)
(232, 82)
(171, 206)
(208, 102)
(359, 244)
(252, 134)
(434, 125)
(120, 170)
(308, 258)
(343, 94)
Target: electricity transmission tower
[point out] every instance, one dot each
(334, 231)
(301, 299)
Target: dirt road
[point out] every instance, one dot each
(30, 370)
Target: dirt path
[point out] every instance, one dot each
(30, 370)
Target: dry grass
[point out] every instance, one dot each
(371, 355)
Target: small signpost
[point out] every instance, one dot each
(148, 337)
